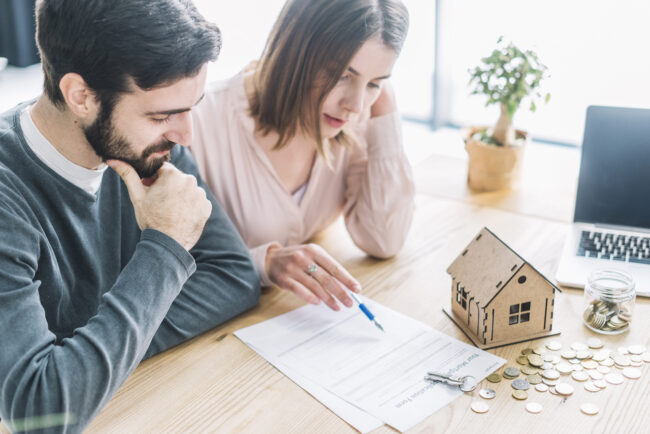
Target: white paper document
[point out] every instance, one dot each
(365, 376)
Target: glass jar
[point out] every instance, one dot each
(609, 301)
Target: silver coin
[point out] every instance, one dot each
(541, 387)
(568, 354)
(521, 384)
(580, 376)
(590, 409)
(480, 407)
(614, 378)
(564, 389)
(591, 387)
(549, 382)
(636, 349)
(595, 375)
(534, 407)
(594, 343)
(632, 373)
(603, 369)
(487, 393)
(600, 384)
(511, 372)
(607, 362)
(589, 364)
(578, 346)
(564, 368)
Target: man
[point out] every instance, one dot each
(98, 267)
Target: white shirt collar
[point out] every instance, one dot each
(86, 179)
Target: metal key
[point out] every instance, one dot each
(466, 383)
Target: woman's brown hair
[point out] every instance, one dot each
(310, 46)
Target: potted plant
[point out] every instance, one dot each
(505, 77)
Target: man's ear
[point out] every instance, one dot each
(79, 98)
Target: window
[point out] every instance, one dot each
(461, 296)
(587, 64)
(519, 313)
(244, 35)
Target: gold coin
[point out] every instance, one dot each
(540, 351)
(494, 378)
(535, 360)
(534, 379)
(551, 374)
(554, 345)
(548, 357)
(520, 395)
(522, 360)
(529, 370)
(526, 351)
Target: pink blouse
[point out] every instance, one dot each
(371, 184)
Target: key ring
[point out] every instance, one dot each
(466, 383)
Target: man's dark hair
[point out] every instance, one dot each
(109, 42)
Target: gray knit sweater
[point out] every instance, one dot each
(85, 295)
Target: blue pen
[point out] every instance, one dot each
(367, 312)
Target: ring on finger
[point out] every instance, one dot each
(312, 269)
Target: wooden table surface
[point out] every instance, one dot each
(216, 383)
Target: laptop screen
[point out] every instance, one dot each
(614, 182)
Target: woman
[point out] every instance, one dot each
(308, 132)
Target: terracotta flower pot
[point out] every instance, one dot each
(493, 167)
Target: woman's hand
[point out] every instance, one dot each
(311, 273)
(385, 102)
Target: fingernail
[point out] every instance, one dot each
(315, 301)
(348, 302)
(357, 287)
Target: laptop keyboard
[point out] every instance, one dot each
(615, 247)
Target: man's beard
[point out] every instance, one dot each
(109, 145)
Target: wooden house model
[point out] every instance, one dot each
(497, 298)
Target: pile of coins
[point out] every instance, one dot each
(588, 364)
(606, 316)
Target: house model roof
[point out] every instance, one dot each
(485, 267)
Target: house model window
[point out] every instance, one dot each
(461, 296)
(497, 297)
(519, 313)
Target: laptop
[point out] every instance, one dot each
(611, 227)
